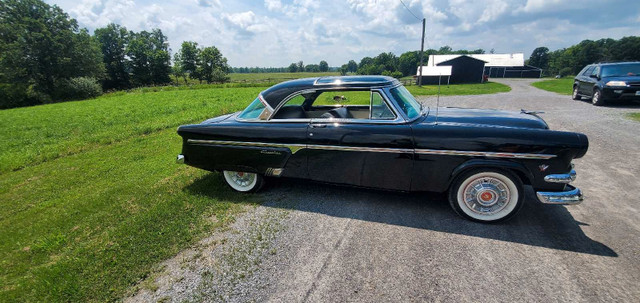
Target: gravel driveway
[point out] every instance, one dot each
(342, 244)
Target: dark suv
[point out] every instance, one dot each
(605, 82)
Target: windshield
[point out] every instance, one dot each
(621, 70)
(255, 111)
(406, 101)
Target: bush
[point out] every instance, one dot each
(395, 74)
(565, 72)
(78, 89)
(19, 95)
(219, 76)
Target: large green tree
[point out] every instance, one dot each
(323, 66)
(41, 48)
(189, 58)
(113, 43)
(540, 58)
(213, 64)
(149, 58)
(408, 63)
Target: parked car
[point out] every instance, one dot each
(369, 131)
(604, 82)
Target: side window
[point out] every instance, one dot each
(379, 109)
(295, 101)
(588, 71)
(596, 71)
(583, 72)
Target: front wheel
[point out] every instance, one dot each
(486, 195)
(575, 95)
(597, 99)
(243, 181)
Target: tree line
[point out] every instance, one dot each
(569, 61)
(46, 57)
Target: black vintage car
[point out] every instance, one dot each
(369, 131)
(605, 82)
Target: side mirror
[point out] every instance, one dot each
(593, 76)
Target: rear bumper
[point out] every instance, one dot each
(571, 196)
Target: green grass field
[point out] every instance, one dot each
(91, 198)
(562, 86)
(459, 89)
(634, 116)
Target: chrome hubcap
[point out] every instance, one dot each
(242, 179)
(486, 195)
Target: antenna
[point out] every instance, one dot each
(438, 98)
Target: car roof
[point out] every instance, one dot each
(617, 63)
(277, 93)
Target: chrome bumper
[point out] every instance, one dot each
(561, 178)
(180, 159)
(572, 196)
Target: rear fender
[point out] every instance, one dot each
(262, 160)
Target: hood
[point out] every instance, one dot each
(489, 117)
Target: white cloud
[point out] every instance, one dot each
(209, 3)
(279, 32)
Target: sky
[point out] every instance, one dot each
(275, 33)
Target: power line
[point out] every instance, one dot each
(410, 12)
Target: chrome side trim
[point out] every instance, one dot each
(292, 147)
(180, 159)
(296, 147)
(361, 149)
(572, 196)
(561, 178)
(483, 154)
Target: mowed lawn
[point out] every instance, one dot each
(459, 89)
(562, 86)
(92, 200)
(91, 196)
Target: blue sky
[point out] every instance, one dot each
(278, 32)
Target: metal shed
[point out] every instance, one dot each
(464, 69)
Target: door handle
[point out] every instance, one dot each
(318, 125)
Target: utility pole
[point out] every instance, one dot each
(421, 55)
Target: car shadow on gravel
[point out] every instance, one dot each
(548, 226)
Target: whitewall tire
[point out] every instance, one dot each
(487, 195)
(243, 181)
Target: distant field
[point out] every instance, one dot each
(91, 198)
(276, 76)
(562, 86)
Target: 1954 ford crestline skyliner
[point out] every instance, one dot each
(369, 131)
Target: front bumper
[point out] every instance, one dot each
(626, 93)
(571, 196)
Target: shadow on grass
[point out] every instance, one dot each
(537, 224)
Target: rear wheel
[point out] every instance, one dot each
(243, 181)
(575, 95)
(597, 99)
(486, 195)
